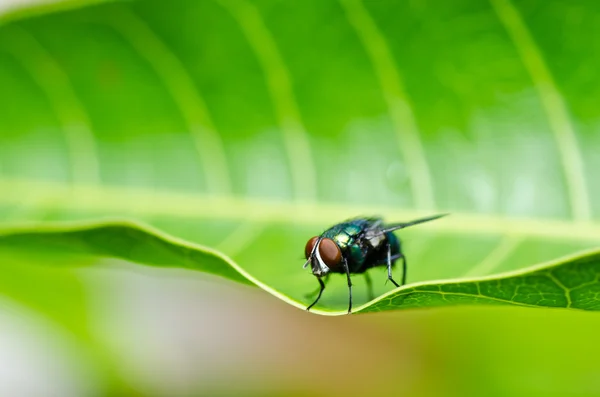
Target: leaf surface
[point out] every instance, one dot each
(230, 138)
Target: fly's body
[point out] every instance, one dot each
(355, 246)
(363, 243)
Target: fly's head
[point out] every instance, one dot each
(323, 254)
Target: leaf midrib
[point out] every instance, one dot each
(145, 202)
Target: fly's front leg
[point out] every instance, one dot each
(322, 287)
(349, 285)
(325, 279)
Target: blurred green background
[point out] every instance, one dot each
(249, 126)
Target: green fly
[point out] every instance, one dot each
(355, 246)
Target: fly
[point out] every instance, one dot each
(355, 246)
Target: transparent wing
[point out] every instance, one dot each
(395, 226)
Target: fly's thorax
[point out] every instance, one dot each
(342, 240)
(343, 233)
(349, 238)
(355, 239)
(356, 254)
(352, 248)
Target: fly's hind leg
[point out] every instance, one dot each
(389, 266)
(369, 286)
(404, 267)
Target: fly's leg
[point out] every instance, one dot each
(369, 286)
(389, 266)
(321, 288)
(393, 258)
(310, 295)
(349, 286)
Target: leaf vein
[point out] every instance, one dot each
(70, 112)
(506, 246)
(123, 199)
(472, 296)
(181, 86)
(279, 85)
(398, 103)
(559, 283)
(554, 107)
(240, 238)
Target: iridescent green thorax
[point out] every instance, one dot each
(347, 236)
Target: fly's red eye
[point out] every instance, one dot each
(310, 246)
(330, 252)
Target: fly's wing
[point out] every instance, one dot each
(360, 225)
(374, 223)
(365, 222)
(395, 226)
(374, 232)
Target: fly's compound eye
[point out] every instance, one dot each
(330, 252)
(310, 246)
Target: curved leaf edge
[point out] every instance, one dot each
(584, 263)
(413, 290)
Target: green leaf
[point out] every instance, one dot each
(571, 282)
(228, 124)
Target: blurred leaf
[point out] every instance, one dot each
(252, 126)
(33, 278)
